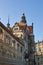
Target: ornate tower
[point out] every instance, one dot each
(31, 45)
(23, 18)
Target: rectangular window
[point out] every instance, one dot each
(21, 49)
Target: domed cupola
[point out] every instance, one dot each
(23, 19)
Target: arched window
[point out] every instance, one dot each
(1, 33)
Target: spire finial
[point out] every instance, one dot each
(8, 25)
(32, 27)
(23, 14)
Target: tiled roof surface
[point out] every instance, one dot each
(21, 24)
(10, 29)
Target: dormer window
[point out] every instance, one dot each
(15, 28)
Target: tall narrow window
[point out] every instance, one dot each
(1, 31)
(21, 49)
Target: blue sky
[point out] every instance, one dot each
(33, 10)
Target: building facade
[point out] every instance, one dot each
(17, 42)
(11, 47)
(39, 53)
